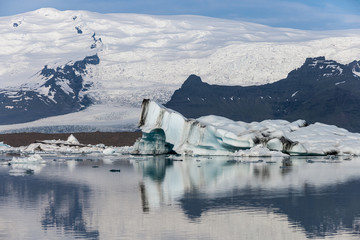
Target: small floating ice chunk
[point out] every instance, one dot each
(294, 94)
(338, 83)
(109, 151)
(259, 151)
(72, 139)
(4, 147)
(2, 144)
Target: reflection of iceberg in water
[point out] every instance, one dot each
(26, 165)
(321, 198)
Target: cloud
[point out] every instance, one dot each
(303, 14)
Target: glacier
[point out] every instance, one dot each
(167, 131)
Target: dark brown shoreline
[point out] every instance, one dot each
(108, 138)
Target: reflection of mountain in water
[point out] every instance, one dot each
(320, 213)
(321, 210)
(66, 202)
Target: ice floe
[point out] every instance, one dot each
(4, 147)
(165, 131)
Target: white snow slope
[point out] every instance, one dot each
(143, 56)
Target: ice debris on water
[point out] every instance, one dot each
(109, 151)
(70, 146)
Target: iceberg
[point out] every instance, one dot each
(167, 131)
(72, 140)
(4, 146)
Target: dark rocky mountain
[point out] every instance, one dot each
(63, 91)
(319, 91)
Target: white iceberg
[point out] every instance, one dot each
(4, 146)
(72, 139)
(165, 131)
(109, 151)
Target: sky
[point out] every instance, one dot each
(300, 14)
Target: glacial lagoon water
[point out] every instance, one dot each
(162, 197)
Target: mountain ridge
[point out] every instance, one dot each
(61, 91)
(319, 91)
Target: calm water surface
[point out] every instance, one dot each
(79, 197)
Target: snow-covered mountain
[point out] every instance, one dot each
(143, 56)
(60, 91)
